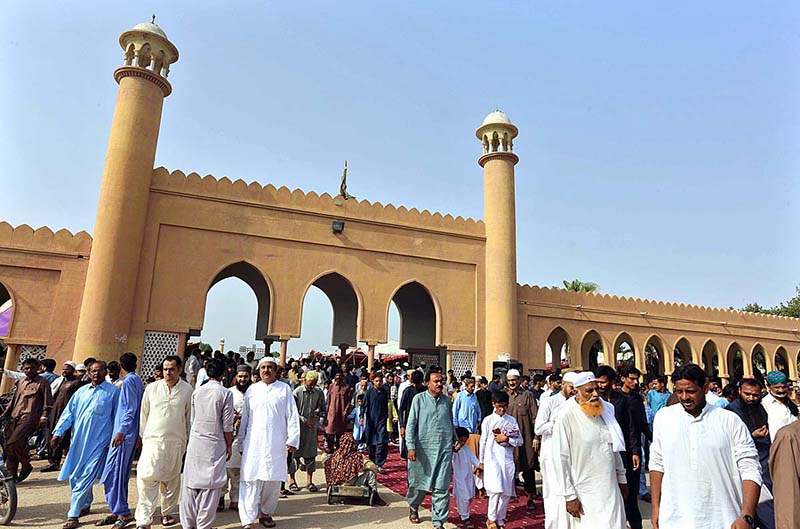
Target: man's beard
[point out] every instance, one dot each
(242, 387)
(592, 408)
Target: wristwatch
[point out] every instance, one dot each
(749, 519)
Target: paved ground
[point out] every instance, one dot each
(43, 502)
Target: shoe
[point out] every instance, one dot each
(24, 473)
(468, 524)
(266, 521)
(646, 498)
(413, 516)
(51, 468)
(381, 470)
(531, 505)
(168, 521)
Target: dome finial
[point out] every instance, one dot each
(153, 21)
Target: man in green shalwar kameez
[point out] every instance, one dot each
(430, 437)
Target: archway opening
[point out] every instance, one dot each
(418, 324)
(735, 359)
(237, 311)
(759, 361)
(5, 310)
(624, 351)
(710, 359)
(682, 354)
(782, 361)
(592, 350)
(654, 356)
(344, 302)
(557, 349)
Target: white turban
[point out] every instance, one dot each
(570, 377)
(583, 378)
(266, 360)
(512, 373)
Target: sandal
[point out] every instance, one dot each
(413, 516)
(168, 521)
(122, 523)
(71, 523)
(294, 488)
(266, 521)
(111, 519)
(313, 488)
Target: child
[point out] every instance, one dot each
(357, 416)
(500, 434)
(465, 464)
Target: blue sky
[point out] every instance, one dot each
(658, 143)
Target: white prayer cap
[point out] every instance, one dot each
(80, 367)
(512, 373)
(311, 375)
(71, 364)
(405, 364)
(583, 378)
(570, 377)
(267, 359)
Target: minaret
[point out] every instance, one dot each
(498, 160)
(108, 294)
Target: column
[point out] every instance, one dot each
(284, 348)
(370, 356)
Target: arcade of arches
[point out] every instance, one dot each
(141, 284)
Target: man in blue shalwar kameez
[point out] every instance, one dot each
(90, 413)
(117, 472)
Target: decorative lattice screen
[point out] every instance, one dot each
(462, 361)
(157, 345)
(430, 359)
(38, 352)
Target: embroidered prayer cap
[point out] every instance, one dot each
(311, 375)
(777, 377)
(570, 377)
(583, 378)
(244, 367)
(512, 373)
(71, 364)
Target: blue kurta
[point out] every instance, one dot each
(117, 472)
(90, 413)
(467, 411)
(376, 411)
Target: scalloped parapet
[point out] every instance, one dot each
(194, 184)
(23, 237)
(638, 306)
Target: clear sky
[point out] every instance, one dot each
(658, 142)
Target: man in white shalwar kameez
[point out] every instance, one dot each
(554, 512)
(589, 473)
(465, 464)
(270, 425)
(204, 476)
(164, 425)
(499, 436)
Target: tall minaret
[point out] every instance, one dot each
(108, 294)
(498, 160)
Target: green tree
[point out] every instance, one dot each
(789, 308)
(577, 285)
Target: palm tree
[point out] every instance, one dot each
(579, 286)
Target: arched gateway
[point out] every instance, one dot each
(141, 284)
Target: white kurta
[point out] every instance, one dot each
(464, 464)
(554, 511)
(778, 415)
(498, 459)
(588, 469)
(238, 403)
(206, 453)
(164, 425)
(270, 423)
(704, 460)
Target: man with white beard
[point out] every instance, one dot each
(588, 468)
(270, 425)
(554, 512)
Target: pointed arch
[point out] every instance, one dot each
(420, 315)
(623, 351)
(734, 357)
(346, 301)
(560, 344)
(782, 361)
(682, 352)
(759, 361)
(593, 350)
(655, 359)
(709, 355)
(261, 287)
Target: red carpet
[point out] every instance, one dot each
(518, 516)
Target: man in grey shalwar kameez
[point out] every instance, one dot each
(430, 437)
(311, 407)
(204, 474)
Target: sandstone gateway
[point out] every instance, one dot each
(140, 284)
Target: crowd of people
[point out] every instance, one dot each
(226, 430)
